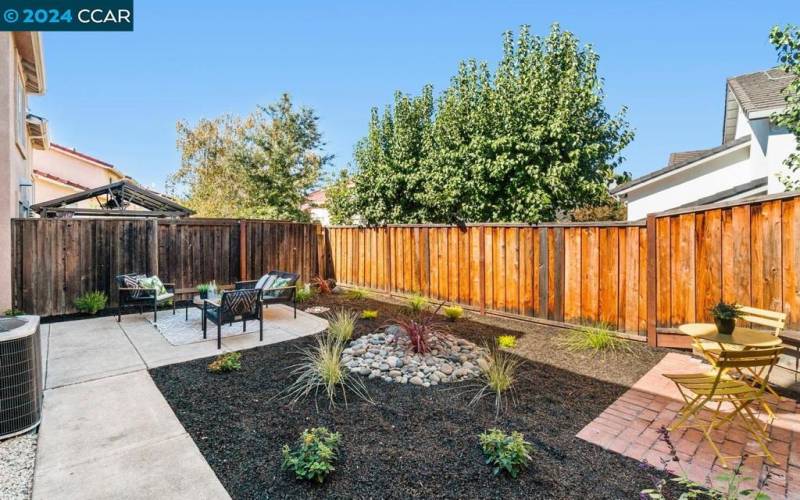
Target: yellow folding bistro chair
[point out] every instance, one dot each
(717, 387)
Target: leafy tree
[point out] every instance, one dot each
(787, 42)
(525, 143)
(259, 166)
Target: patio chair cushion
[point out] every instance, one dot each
(265, 281)
(164, 296)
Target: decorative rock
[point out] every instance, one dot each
(446, 369)
(395, 373)
(384, 367)
(392, 361)
(364, 370)
(416, 381)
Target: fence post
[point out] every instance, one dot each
(322, 250)
(482, 269)
(652, 336)
(389, 259)
(152, 247)
(243, 250)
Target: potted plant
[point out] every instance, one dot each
(725, 317)
(203, 289)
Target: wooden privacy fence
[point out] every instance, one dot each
(641, 278)
(562, 273)
(56, 260)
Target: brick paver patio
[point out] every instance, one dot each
(630, 426)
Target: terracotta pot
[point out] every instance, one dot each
(725, 326)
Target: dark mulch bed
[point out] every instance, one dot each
(414, 442)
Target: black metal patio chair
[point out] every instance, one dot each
(234, 305)
(283, 293)
(130, 293)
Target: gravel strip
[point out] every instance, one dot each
(17, 458)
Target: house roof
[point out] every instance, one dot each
(118, 196)
(84, 156)
(762, 90)
(704, 155)
(684, 156)
(29, 46)
(56, 178)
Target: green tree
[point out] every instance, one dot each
(528, 142)
(258, 166)
(787, 42)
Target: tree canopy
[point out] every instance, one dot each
(528, 142)
(258, 166)
(787, 42)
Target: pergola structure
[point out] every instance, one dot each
(117, 199)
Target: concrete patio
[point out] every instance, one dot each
(106, 431)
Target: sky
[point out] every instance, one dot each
(118, 96)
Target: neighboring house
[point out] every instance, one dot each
(746, 164)
(315, 206)
(21, 74)
(59, 171)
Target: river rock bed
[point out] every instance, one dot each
(388, 355)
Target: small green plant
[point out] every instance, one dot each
(203, 289)
(595, 338)
(303, 293)
(724, 310)
(369, 314)
(13, 312)
(453, 312)
(507, 341)
(498, 375)
(228, 362)
(509, 453)
(356, 294)
(91, 302)
(322, 370)
(417, 303)
(313, 456)
(342, 324)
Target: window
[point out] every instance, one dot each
(21, 113)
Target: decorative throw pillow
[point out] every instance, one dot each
(265, 281)
(153, 283)
(132, 281)
(278, 283)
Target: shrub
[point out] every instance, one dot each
(13, 312)
(323, 286)
(356, 294)
(314, 454)
(594, 338)
(510, 453)
(322, 369)
(417, 303)
(422, 330)
(369, 314)
(508, 341)
(453, 312)
(342, 324)
(91, 302)
(302, 293)
(498, 375)
(228, 362)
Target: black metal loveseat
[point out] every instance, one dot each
(132, 294)
(283, 293)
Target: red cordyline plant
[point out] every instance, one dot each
(322, 285)
(422, 329)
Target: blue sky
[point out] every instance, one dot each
(117, 96)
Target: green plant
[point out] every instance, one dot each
(321, 370)
(342, 324)
(453, 312)
(313, 456)
(203, 288)
(723, 310)
(91, 302)
(417, 303)
(369, 314)
(595, 338)
(227, 362)
(509, 453)
(498, 375)
(13, 312)
(303, 293)
(786, 41)
(507, 341)
(356, 294)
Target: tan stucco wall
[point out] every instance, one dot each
(15, 167)
(70, 167)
